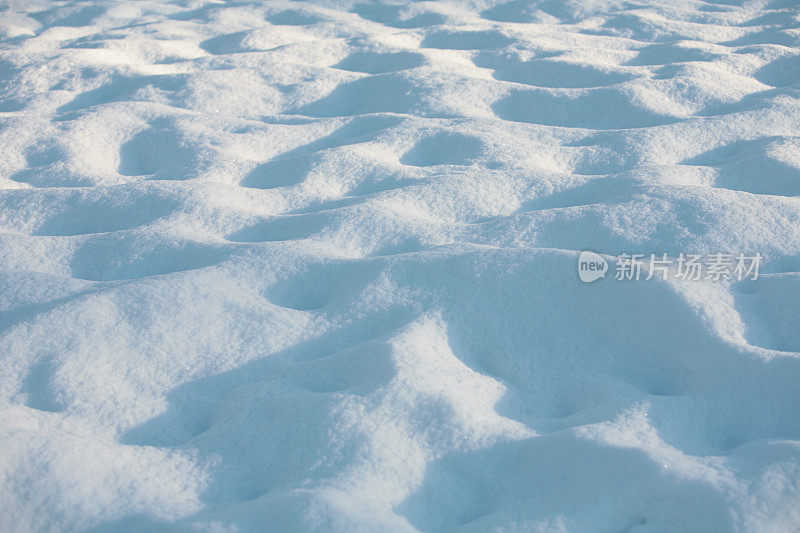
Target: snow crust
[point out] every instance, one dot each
(297, 266)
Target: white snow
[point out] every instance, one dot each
(292, 266)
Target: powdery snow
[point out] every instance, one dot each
(298, 266)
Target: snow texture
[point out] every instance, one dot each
(299, 266)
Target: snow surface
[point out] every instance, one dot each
(300, 266)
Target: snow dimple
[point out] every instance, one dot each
(379, 63)
(293, 18)
(282, 228)
(547, 73)
(224, 44)
(770, 318)
(781, 72)
(299, 266)
(398, 16)
(444, 149)
(604, 108)
(159, 151)
(466, 40)
(763, 166)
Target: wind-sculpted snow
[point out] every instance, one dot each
(289, 266)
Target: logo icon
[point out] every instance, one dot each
(591, 267)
